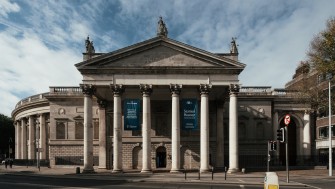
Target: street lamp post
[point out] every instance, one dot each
(329, 77)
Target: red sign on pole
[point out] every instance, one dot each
(287, 119)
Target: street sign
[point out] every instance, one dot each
(287, 119)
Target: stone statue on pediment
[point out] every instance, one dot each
(89, 46)
(161, 28)
(233, 46)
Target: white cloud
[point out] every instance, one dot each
(42, 40)
(30, 67)
(7, 7)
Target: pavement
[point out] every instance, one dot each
(249, 178)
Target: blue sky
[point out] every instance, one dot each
(42, 40)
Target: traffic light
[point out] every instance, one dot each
(281, 135)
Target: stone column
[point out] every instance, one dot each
(88, 91)
(204, 128)
(175, 140)
(31, 147)
(146, 91)
(102, 134)
(18, 140)
(43, 138)
(117, 126)
(307, 136)
(233, 130)
(219, 136)
(24, 139)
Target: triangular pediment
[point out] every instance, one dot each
(159, 53)
(158, 56)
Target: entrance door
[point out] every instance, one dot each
(292, 144)
(161, 157)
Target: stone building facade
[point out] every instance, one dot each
(309, 78)
(160, 104)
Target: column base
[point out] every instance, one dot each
(117, 171)
(88, 171)
(205, 170)
(146, 171)
(233, 170)
(175, 171)
(220, 169)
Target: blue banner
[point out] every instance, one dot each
(189, 114)
(131, 114)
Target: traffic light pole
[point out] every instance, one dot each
(268, 160)
(286, 149)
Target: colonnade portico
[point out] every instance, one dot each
(32, 137)
(146, 90)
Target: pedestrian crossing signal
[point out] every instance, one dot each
(273, 145)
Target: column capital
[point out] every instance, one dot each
(175, 88)
(88, 89)
(102, 103)
(146, 89)
(117, 89)
(234, 89)
(24, 119)
(205, 88)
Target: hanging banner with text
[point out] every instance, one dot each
(189, 114)
(131, 114)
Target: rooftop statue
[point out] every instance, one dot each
(161, 28)
(233, 46)
(89, 46)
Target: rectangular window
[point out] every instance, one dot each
(323, 132)
(96, 128)
(60, 130)
(79, 127)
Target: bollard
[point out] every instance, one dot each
(225, 173)
(212, 173)
(185, 174)
(271, 180)
(199, 174)
(77, 170)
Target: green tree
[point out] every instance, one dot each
(7, 136)
(310, 78)
(322, 49)
(321, 56)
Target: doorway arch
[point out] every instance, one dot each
(161, 157)
(292, 143)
